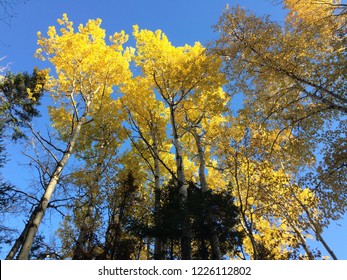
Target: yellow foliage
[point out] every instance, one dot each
(87, 70)
(176, 70)
(83, 61)
(184, 85)
(310, 11)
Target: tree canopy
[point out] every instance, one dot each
(147, 159)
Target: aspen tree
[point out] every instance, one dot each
(176, 73)
(148, 118)
(86, 69)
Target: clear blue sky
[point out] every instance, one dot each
(183, 21)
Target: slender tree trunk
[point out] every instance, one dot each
(303, 244)
(243, 220)
(249, 233)
(41, 209)
(316, 229)
(84, 236)
(312, 223)
(216, 253)
(326, 246)
(87, 229)
(16, 246)
(116, 233)
(38, 213)
(157, 205)
(186, 247)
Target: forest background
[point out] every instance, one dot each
(184, 22)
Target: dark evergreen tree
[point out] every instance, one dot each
(170, 228)
(20, 95)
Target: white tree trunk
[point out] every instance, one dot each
(186, 247)
(37, 215)
(216, 253)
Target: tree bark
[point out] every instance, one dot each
(312, 223)
(16, 246)
(38, 213)
(210, 218)
(316, 229)
(186, 247)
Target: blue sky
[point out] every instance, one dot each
(183, 21)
